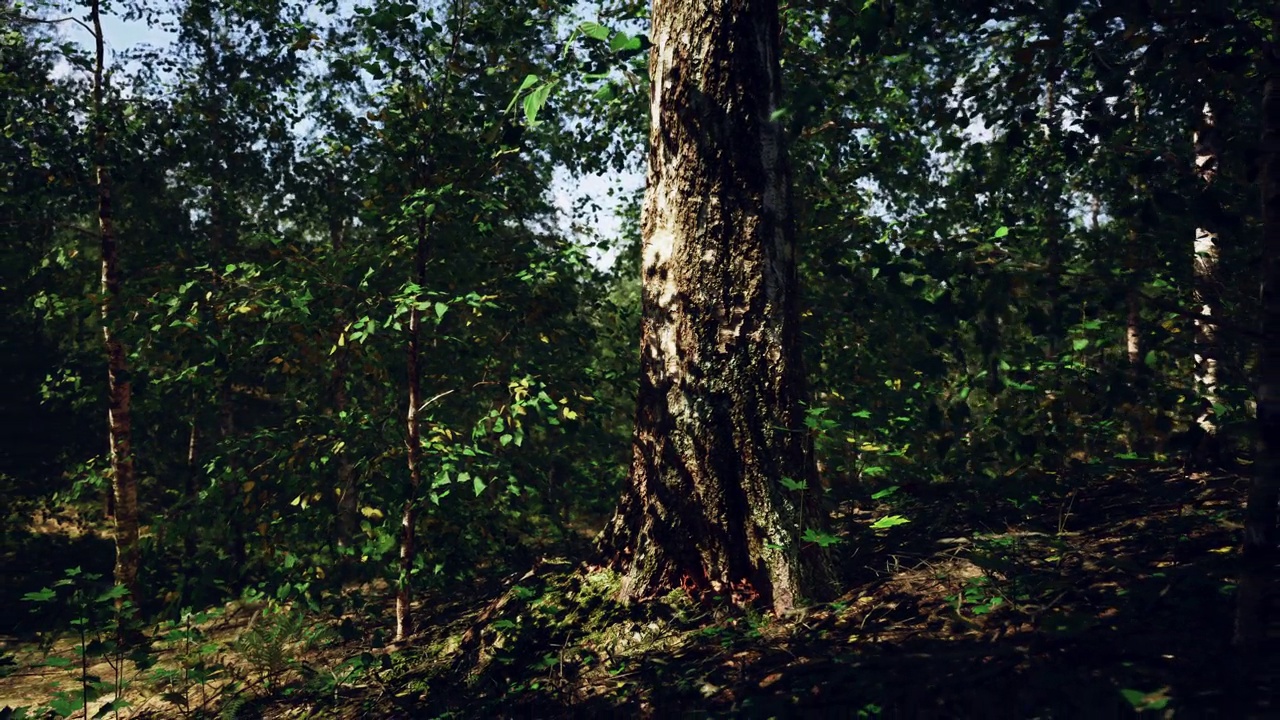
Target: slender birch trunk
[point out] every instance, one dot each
(124, 482)
(1206, 281)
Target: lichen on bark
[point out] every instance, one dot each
(719, 423)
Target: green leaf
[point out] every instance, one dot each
(889, 521)
(623, 42)
(1156, 700)
(988, 606)
(505, 440)
(820, 539)
(41, 595)
(790, 484)
(529, 81)
(441, 309)
(885, 492)
(1079, 344)
(1151, 359)
(606, 92)
(115, 592)
(67, 704)
(1000, 232)
(478, 485)
(594, 30)
(534, 101)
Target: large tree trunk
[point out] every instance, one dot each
(719, 426)
(1206, 277)
(124, 483)
(1258, 569)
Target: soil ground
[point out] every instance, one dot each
(1106, 595)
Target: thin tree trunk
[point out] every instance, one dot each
(1051, 218)
(1051, 229)
(124, 482)
(223, 231)
(348, 488)
(408, 521)
(237, 544)
(1258, 567)
(1133, 331)
(720, 451)
(1133, 301)
(189, 481)
(1206, 277)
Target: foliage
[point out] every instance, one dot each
(996, 204)
(101, 618)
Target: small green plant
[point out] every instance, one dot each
(345, 673)
(889, 521)
(276, 638)
(1154, 700)
(100, 618)
(888, 495)
(809, 535)
(979, 596)
(197, 662)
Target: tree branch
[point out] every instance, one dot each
(48, 21)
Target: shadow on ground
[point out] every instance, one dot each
(35, 555)
(1112, 599)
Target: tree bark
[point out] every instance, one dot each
(124, 482)
(1133, 302)
(1133, 331)
(413, 443)
(719, 424)
(348, 483)
(1258, 567)
(1206, 277)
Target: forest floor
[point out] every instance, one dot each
(1109, 595)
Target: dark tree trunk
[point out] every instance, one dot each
(348, 483)
(124, 482)
(719, 425)
(413, 443)
(1258, 569)
(189, 492)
